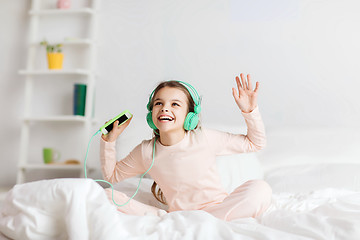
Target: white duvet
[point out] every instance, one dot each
(79, 209)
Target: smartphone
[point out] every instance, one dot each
(122, 118)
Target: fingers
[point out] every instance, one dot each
(249, 82)
(238, 83)
(245, 83)
(115, 124)
(236, 97)
(257, 87)
(241, 84)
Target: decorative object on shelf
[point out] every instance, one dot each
(63, 4)
(67, 162)
(54, 54)
(72, 161)
(50, 155)
(79, 99)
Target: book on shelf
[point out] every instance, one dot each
(79, 99)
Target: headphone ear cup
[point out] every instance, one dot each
(191, 121)
(148, 106)
(150, 121)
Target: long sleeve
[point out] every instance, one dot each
(115, 171)
(228, 143)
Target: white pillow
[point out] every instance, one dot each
(310, 145)
(311, 177)
(236, 169)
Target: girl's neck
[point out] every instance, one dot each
(168, 139)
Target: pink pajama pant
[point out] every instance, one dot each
(250, 199)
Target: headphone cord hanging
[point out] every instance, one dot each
(112, 187)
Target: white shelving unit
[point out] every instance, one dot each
(32, 73)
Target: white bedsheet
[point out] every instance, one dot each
(79, 209)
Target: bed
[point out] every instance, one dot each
(316, 195)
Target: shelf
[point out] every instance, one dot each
(70, 42)
(55, 72)
(60, 12)
(41, 166)
(65, 118)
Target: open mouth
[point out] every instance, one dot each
(165, 118)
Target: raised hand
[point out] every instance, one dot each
(245, 98)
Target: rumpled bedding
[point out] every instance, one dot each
(79, 209)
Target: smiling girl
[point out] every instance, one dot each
(185, 157)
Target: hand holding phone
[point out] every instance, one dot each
(113, 128)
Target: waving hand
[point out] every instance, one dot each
(245, 98)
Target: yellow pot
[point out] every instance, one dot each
(55, 60)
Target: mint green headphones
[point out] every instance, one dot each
(192, 118)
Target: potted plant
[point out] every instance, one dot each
(54, 54)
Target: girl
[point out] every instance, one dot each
(185, 165)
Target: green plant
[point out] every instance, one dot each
(50, 48)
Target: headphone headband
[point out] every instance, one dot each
(192, 91)
(194, 94)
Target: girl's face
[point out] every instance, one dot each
(169, 110)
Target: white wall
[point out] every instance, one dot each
(304, 53)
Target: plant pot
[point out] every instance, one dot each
(55, 60)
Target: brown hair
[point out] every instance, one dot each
(172, 84)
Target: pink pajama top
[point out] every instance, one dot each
(186, 172)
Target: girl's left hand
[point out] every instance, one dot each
(247, 98)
